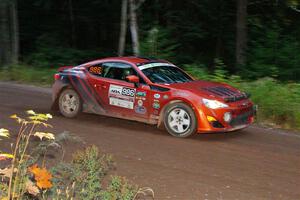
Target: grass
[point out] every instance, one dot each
(279, 103)
(28, 74)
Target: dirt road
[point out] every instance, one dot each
(254, 163)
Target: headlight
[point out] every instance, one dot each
(227, 117)
(214, 104)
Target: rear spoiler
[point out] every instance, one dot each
(64, 68)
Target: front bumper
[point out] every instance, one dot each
(242, 116)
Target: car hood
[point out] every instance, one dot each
(211, 90)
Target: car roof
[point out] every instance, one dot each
(131, 59)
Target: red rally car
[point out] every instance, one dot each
(151, 91)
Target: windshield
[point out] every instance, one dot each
(166, 74)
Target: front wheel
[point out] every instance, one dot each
(180, 120)
(69, 103)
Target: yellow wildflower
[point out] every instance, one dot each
(30, 112)
(14, 116)
(4, 132)
(4, 156)
(42, 135)
(49, 116)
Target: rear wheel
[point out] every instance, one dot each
(69, 103)
(180, 120)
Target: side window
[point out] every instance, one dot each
(118, 71)
(97, 70)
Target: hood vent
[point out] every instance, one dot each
(228, 94)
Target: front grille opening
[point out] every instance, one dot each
(216, 124)
(241, 119)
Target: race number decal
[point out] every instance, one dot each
(96, 70)
(128, 92)
(121, 96)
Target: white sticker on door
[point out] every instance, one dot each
(121, 96)
(120, 103)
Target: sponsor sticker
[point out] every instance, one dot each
(140, 102)
(165, 96)
(120, 103)
(156, 96)
(115, 90)
(141, 94)
(156, 105)
(140, 98)
(140, 109)
(121, 96)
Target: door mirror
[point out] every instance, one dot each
(133, 79)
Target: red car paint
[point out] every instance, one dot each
(97, 95)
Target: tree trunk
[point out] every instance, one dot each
(5, 47)
(134, 28)
(71, 15)
(241, 32)
(14, 32)
(123, 28)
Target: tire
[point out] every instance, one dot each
(180, 120)
(69, 103)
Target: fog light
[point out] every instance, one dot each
(227, 117)
(211, 119)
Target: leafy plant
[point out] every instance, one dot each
(18, 175)
(119, 188)
(83, 178)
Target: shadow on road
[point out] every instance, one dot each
(110, 122)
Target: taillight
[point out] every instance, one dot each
(56, 76)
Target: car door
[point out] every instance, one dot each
(98, 86)
(122, 98)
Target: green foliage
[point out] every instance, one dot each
(85, 176)
(27, 74)
(86, 171)
(54, 57)
(158, 44)
(198, 71)
(278, 103)
(273, 53)
(3, 189)
(119, 189)
(185, 32)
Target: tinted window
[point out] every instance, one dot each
(166, 74)
(119, 71)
